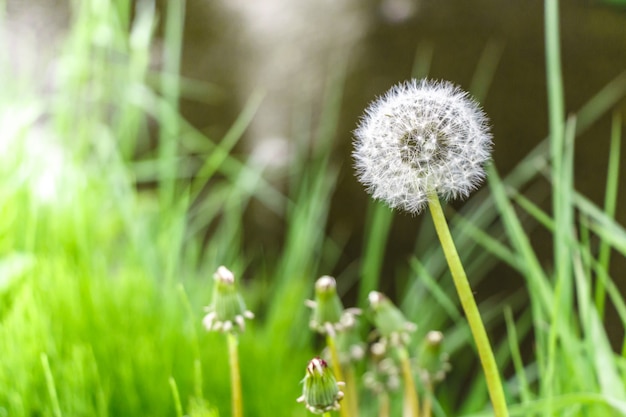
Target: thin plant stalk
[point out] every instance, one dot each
(52, 390)
(352, 402)
(411, 400)
(380, 219)
(383, 404)
(332, 347)
(610, 203)
(556, 112)
(427, 409)
(562, 209)
(176, 396)
(235, 379)
(485, 353)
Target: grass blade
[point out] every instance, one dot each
(610, 202)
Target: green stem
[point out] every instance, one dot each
(170, 84)
(427, 409)
(334, 355)
(556, 113)
(380, 219)
(383, 405)
(562, 209)
(485, 353)
(52, 390)
(176, 395)
(411, 401)
(235, 379)
(610, 202)
(353, 397)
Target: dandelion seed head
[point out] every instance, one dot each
(421, 136)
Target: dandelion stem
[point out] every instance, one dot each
(427, 409)
(383, 405)
(334, 355)
(352, 402)
(411, 401)
(235, 379)
(485, 353)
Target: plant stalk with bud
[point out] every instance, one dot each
(395, 331)
(330, 318)
(227, 313)
(433, 366)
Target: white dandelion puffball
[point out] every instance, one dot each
(421, 136)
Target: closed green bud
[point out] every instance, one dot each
(393, 327)
(351, 347)
(320, 390)
(432, 360)
(383, 374)
(227, 311)
(329, 316)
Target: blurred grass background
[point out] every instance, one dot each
(118, 203)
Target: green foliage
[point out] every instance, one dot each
(102, 285)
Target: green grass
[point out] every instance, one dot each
(102, 282)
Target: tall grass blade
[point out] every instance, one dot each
(176, 396)
(170, 85)
(520, 371)
(52, 391)
(486, 69)
(610, 202)
(378, 226)
(221, 152)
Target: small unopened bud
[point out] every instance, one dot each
(320, 390)
(227, 311)
(329, 316)
(393, 327)
(383, 375)
(432, 360)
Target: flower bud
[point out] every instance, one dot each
(227, 311)
(383, 374)
(320, 390)
(393, 327)
(432, 360)
(351, 347)
(329, 316)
